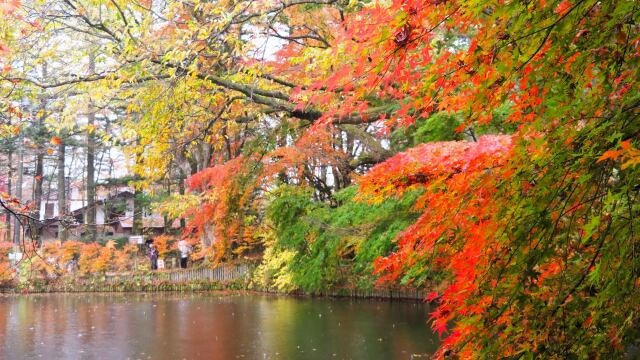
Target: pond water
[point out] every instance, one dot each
(211, 326)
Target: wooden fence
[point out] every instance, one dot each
(222, 273)
(377, 293)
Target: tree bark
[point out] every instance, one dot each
(181, 180)
(91, 148)
(136, 227)
(62, 196)
(37, 196)
(17, 226)
(9, 191)
(38, 175)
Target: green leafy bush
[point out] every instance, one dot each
(314, 246)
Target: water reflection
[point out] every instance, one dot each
(215, 326)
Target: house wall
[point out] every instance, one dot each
(43, 209)
(100, 214)
(104, 230)
(49, 233)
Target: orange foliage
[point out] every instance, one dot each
(6, 273)
(54, 258)
(315, 146)
(90, 261)
(224, 190)
(525, 227)
(123, 259)
(228, 190)
(166, 244)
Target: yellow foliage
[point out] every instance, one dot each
(274, 271)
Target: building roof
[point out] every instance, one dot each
(126, 194)
(152, 221)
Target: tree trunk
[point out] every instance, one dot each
(183, 222)
(38, 176)
(9, 191)
(37, 196)
(136, 227)
(137, 213)
(165, 218)
(62, 196)
(17, 226)
(91, 149)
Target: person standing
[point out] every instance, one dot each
(152, 252)
(185, 249)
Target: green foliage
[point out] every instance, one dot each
(444, 126)
(438, 127)
(317, 247)
(119, 241)
(289, 205)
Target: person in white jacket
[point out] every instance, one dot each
(185, 249)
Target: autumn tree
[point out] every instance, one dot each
(535, 229)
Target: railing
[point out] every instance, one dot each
(222, 273)
(377, 293)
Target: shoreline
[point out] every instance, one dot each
(99, 285)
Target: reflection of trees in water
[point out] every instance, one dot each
(207, 327)
(351, 329)
(173, 325)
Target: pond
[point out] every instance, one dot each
(210, 325)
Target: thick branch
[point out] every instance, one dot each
(81, 79)
(282, 6)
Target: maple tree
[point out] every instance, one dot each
(536, 230)
(6, 273)
(165, 244)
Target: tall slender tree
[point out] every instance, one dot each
(92, 229)
(61, 191)
(38, 175)
(17, 225)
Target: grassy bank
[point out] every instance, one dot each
(147, 282)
